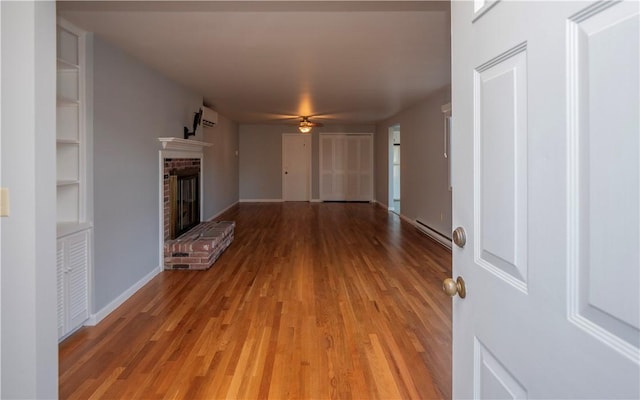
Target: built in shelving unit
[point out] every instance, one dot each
(74, 229)
(70, 132)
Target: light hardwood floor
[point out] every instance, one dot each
(313, 301)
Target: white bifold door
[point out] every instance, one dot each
(346, 167)
(546, 184)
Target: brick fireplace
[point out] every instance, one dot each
(185, 242)
(181, 178)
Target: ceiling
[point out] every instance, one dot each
(262, 61)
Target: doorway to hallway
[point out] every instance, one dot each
(394, 169)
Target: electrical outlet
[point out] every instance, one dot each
(4, 202)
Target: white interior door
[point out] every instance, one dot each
(296, 167)
(546, 183)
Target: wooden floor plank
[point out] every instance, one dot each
(314, 301)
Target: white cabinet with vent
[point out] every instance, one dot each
(72, 263)
(346, 167)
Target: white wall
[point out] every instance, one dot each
(261, 158)
(261, 161)
(424, 185)
(220, 167)
(133, 106)
(29, 337)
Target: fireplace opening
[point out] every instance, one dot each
(184, 198)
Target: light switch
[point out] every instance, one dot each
(4, 202)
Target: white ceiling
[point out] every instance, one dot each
(260, 61)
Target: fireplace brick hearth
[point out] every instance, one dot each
(200, 247)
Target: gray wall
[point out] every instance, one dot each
(133, 106)
(423, 168)
(220, 167)
(261, 158)
(29, 345)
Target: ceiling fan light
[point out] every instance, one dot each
(305, 126)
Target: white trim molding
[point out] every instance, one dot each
(433, 234)
(95, 318)
(173, 143)
(261, 200)
(222, 212)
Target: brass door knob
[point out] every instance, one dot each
(459, 237)
(451, 287)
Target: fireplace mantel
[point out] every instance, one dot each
(174, 143)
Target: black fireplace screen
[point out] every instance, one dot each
(185, 201)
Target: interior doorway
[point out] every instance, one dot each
(394, 169)
(296, 167)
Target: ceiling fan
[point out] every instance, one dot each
(304, 122)
(305, 125)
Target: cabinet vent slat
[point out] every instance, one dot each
(60, 287)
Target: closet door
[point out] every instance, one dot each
(352, 161)
(332, 168)
(346, 167)
(365, 181)
(326, 167)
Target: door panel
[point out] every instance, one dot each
(501, 165)
(296, 160)
(326, 165)
(78, 279)
(546, 183)
(339, 168)
(492, 379)
(365, 187)
(604, 212)
(353, 167)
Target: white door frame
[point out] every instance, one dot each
(391, 179)
(308, 156)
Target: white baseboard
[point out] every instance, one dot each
(222, 212)
(433, 234)
(316, 201)
(405, 219)
(94, 319)
(380, 204)
(261, 200)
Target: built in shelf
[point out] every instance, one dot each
(67, 182)
(67, 141)
(173, 143)
(67, 102)
(64, 65)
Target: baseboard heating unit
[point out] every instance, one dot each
(433, 234)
